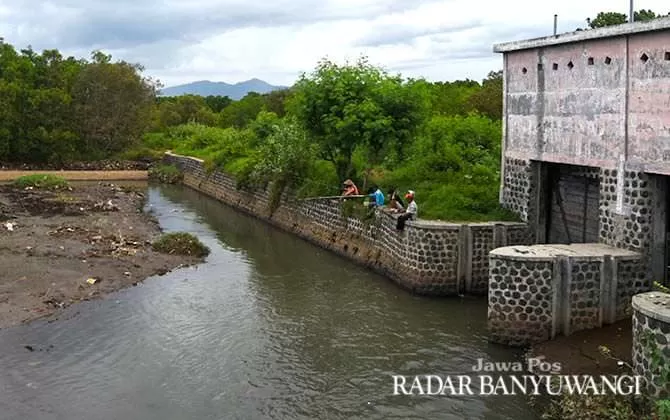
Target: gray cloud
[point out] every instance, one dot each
(398, 34)
(122, 23)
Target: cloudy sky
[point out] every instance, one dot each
(180, 41)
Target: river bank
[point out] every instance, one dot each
(80, 243)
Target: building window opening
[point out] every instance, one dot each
(644, 57)
(590, 61)
(608, 60)
(570, 65)
(524, 70)
(555, 66)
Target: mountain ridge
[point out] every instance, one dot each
(234, 91)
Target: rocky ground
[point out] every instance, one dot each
(63, 246)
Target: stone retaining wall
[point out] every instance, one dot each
(428, 258)
(538, 292)
(651, 341)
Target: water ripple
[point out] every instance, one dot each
(269, 328)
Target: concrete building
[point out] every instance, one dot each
(586, 143)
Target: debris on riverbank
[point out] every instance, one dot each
(52, 242)
(580, 354)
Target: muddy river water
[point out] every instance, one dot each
(270, 327)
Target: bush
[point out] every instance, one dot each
(168, 174)
(180, 243)
(46, 181)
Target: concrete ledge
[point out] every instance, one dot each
(579, 36)
(654, 305)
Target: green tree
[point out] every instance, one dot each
(240, 113)
(488, 100)
(217, 103)
(604, 19)
(113, 104)
(607, 19)
(354, 105)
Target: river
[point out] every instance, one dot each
(270, 327)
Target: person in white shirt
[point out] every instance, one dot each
(410, 213)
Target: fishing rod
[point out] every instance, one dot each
(334, 196)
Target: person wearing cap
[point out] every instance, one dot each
(349, 188)
(410, 213)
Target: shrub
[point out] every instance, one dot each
(168, 174)
(180, 243)
(46, 181)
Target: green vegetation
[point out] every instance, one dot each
(55, 109)
(623, 407)
(168, 174)
(180, 243)
(604, 19)
(46, 181)
(354, 121)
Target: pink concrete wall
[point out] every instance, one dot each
(578, 115)
(649, 106)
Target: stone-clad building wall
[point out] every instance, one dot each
(537, 292)
(651, 341)
(429, 258)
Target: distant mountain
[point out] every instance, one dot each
(207, 88)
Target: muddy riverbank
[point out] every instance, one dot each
(61, 247)
(579, 353)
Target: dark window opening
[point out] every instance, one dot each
(590, 61)
(555, 66)
(524, 70)
(570, 65)
(644, 57)
(667, 55)
(608, 60)
(540, 67)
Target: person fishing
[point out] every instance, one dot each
(377, 195)
(349, 188)
(395, 202)
(408, 214)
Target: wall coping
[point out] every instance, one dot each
(543, 252)
(655, 305)
(419, 223)
(585, 35)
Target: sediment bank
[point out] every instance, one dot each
(52, 242)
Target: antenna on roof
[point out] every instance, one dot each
(632, 13)
(556, 24)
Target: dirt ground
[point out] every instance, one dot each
(578, 353)
(53, 242)
(80, 175)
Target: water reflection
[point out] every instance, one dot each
(270, 327)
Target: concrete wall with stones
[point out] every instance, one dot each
(541, 291)
(429, 258)
(651, 341)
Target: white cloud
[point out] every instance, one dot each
(233, 40)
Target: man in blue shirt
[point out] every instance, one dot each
(378, 196)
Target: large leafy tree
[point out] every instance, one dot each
(489, 98)
(348, 106)
(113, 103)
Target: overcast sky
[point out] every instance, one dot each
(180, 41)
